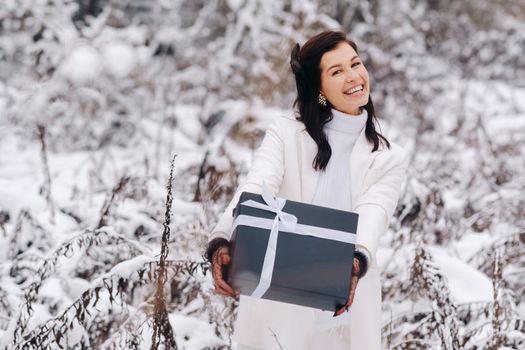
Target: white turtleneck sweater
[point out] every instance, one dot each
(333, 187)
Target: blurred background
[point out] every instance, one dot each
(97, 96)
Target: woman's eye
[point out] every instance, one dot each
(336, 72)
(356, 64)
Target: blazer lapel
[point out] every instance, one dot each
(309, 175)
(360, 160)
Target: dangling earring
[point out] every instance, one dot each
(322, 100)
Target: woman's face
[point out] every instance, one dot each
(344, 79)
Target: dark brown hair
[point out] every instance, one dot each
(305, 63)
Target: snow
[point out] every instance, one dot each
(22, 162)
(128, 267)
(74, 287)
(192, 333)
(40, 315)
(470, 243)
(119, 59)
(51, 288)
(188, 121)
(235, 4)
(467, 285)
(221, 164)
(453, 200)
(83, 65)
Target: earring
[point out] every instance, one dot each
(322, 100)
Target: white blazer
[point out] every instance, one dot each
(284, 162)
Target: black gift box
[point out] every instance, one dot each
(308, 271)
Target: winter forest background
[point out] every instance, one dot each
(98, 96)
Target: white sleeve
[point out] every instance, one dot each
(268, 166)
(377, 204)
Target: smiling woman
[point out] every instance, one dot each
(330, 154)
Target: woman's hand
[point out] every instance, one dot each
(220, 260)
(356, 274)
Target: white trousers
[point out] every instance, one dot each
(267, 325)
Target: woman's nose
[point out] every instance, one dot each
(351, 75)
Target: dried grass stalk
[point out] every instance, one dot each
(161, 324)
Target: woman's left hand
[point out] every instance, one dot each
(356, 269)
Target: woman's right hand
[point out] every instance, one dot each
(220, 260)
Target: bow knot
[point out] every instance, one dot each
(275, 205)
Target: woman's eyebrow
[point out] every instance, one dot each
(334, 66)
(339, 65)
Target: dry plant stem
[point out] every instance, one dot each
(24, 217)
(510, 248)
(202, 173)
(4, 218)
(427, 281)
(109, 202)
(67, 250)
(497, 310)
(110, 342)
(412, 344)
(72, 215)
(82, 309)
(161, 324)
(218, 316)
(46, 187)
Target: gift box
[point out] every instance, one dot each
(292, 252)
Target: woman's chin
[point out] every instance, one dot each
(354, 108)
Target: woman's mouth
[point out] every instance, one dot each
(355, 90)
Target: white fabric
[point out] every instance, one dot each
(333, 187)
(284, 162)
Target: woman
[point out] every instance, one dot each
(330, 154)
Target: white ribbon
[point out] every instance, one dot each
(282, 222)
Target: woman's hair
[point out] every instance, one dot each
(305, 63)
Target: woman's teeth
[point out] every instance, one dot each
(353, 90)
